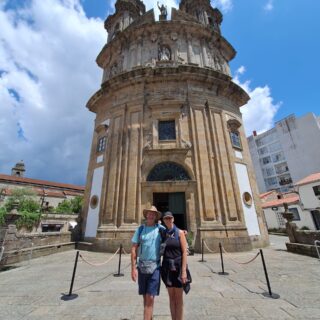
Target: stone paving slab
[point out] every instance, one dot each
(34, 290)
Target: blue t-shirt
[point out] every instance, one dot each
(149, 242)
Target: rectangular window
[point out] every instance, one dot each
(280, 220)
(268, 172)
(101, 144)
(235, 139)
(284, 180)
(271, 181)
(316, 190)
(281, 168)
(263, 150)
(278, 157)
(266, 160)
(296, 216)
(167, 130)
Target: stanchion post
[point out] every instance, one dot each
(270, 295)
(119, 266)
(222, 264)
(71, 296)
(74, 273)
(202, 251)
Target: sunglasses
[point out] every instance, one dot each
(166, 218)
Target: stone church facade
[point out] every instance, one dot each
(168, 131)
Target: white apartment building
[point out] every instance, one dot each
(286, 153)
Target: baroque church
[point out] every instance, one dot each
(168, 131)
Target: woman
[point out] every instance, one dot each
(174, 265)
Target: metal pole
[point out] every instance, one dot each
(70, 296)
(119, 266)
(271, 295)
(202, 251)
(222, 264)
(74, 273)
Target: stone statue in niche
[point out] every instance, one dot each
(186, 144)
(116, 68)
(148, 143)
(164, 53)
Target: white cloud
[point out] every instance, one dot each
(47, 74)
(224, 5)
(259, 112)
(268, 6)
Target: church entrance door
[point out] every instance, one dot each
(174, 202)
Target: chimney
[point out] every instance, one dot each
(254, 133)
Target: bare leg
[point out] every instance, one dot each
(179, 303)
(172, 298)
(148, 306)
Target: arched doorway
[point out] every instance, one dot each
(170, 201)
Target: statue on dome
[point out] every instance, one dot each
(163, 11)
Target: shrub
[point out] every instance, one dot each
(28, 207)
(64, 207)
(26, 199)
(28, 220)
(305, 228)
(3, 212)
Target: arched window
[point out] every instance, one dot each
(168, 171)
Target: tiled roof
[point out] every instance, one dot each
(43, 192)
(263, 195)
(309, 179)
(39, 183)
(279, 202)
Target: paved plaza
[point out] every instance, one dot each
(34, 290)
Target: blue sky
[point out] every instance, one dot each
(48, 73)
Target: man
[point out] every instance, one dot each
(146, 244)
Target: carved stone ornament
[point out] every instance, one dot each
(102, 128)
(164, 53)
(148, 143)
(154, 37)
(174, 36)
(234, 125)
(116, 68)
(186, 144)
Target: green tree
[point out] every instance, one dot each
(76, 204)
(70, 206)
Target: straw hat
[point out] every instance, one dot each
(152, 209)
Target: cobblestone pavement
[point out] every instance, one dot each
(34, 290)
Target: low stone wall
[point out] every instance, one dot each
(302, 241)
(306, 236)
(300, 248)
(23, 246)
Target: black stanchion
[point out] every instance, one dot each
(202, 251)
(72, 296)
(222, 264)
(119, 267)
(267, 294)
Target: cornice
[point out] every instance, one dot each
(179, 73)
